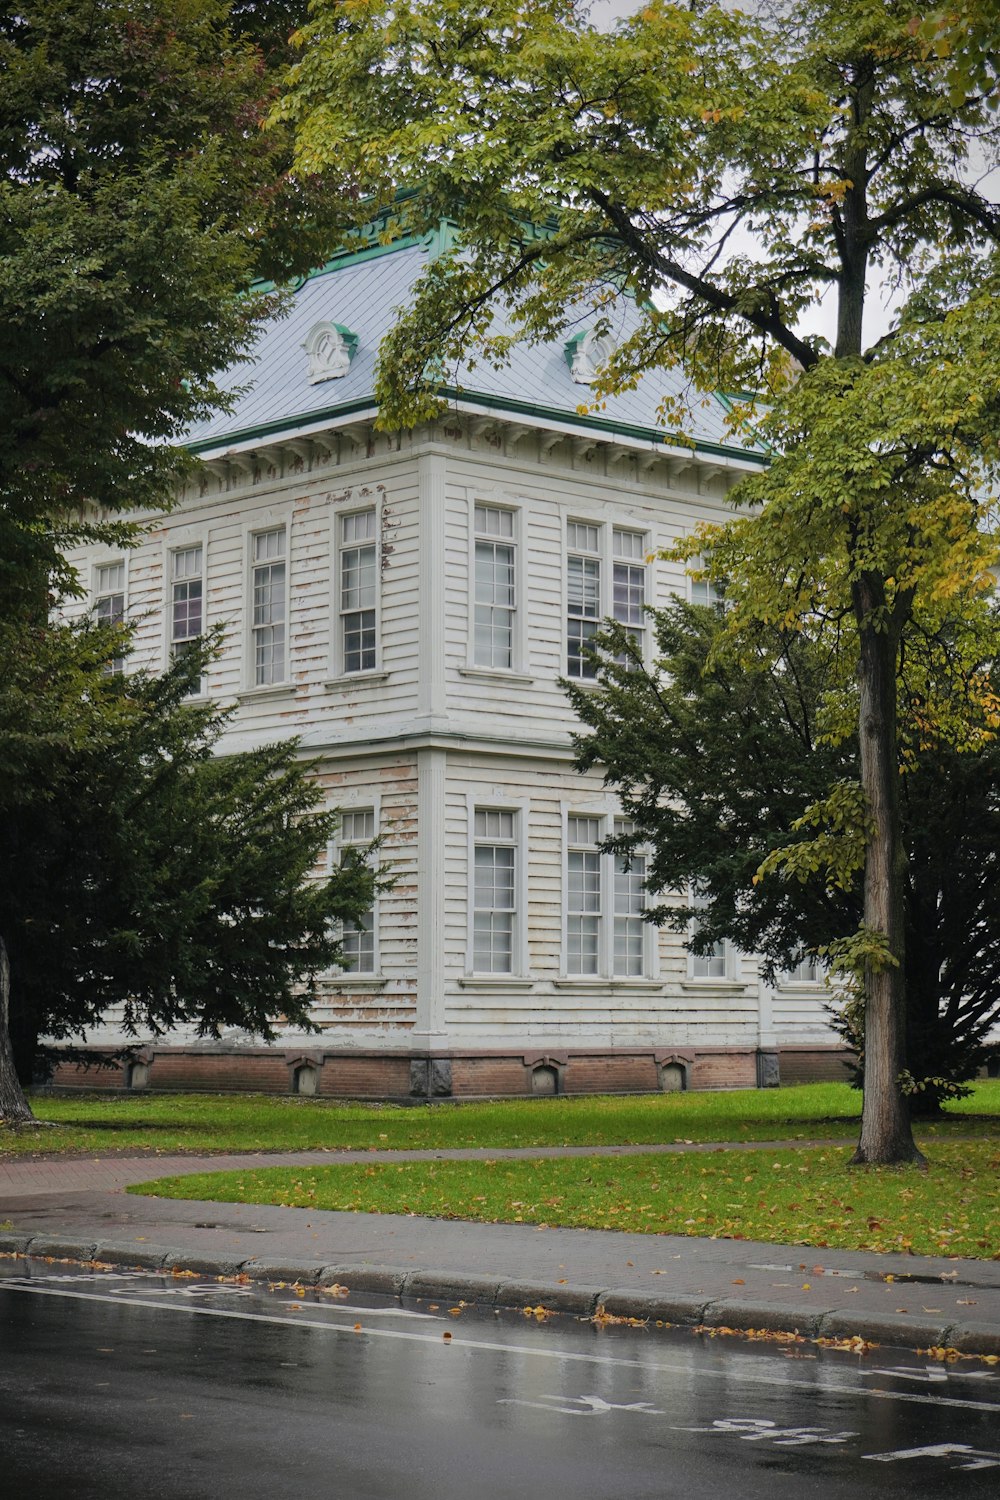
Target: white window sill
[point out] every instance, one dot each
(345, 678)
(496, 981)
(606, 982)
(729, 986)
(359, 982)
(268, 691)
(495, 674)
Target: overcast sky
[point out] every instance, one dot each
(822, 319)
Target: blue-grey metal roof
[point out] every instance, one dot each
(363, 294)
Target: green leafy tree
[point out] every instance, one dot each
(730, 172)
(715, 766)
(138, 868)
(139, 200)
(139, 197)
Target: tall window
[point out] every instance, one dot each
(583, 596)
(630, 903)
(809, 970)
(109, 602)
(187, 602)
(584, 903)
(703, 590)
(605, 931)
(710, 965)
(494, 897)
(495, 577)
(358, 941)
(358, 591)
(270, 607)
(629, 582)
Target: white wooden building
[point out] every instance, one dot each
(406, 604)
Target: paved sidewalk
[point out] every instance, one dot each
(77, 1209)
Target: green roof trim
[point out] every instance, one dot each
(496, 403)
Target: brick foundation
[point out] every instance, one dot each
(327, 1073)
(815, 1064)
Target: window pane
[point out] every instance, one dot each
(358, 528)
(186, 604)
(358, 940)
(630, 544)
(493, 892)
(358, 578)
(268, 545)
(268, 607)
(583, 607)
(492, 945)
(582, 830)
(629, 594)
(582, 538)
(358, 945)
(582, 944)
(711, 965)
(358, 827)
(491, 520)
(111, 578)
(629, 937)
(269, 594)
(493, 639)
(493, 824)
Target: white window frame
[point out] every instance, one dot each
(814, 980)
(519, 943)
(606, 973)
(698, 963)
(701, 590)
(116, 665)
(338, 666)
(607, 555)
(259, 528)
(363, 804)
(175, 546)
(515, 542)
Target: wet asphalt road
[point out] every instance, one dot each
(115, 1386)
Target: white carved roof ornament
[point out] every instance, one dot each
(330, 347)
(586, 354)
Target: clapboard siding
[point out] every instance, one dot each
(610, 1012)
(504, 739)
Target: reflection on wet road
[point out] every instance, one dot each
(114, 1385)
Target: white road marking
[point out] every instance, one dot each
(758, 1429)
(931, 1374)
(755, 1376)
(978, 1458)
(582, 1406)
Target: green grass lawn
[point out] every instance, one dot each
(255, 1122)
(801, 1197)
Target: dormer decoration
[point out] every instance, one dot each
(586, 353)
(330, 347)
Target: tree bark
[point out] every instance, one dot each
(886, 1135)
(14, 1107)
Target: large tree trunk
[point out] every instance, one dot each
(14, 1107)
(886, 1136)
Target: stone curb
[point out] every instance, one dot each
(681, 1309)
